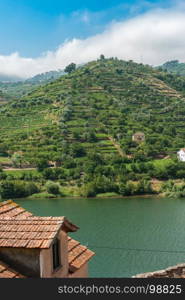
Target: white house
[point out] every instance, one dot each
(181, 154)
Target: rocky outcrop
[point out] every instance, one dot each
(177, 271)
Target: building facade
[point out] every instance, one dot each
(138, 137)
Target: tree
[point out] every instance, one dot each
(102, 57)
(42, 164)
(31, 188)
(17, 159)
(70, 68)
(53, 188)
(6, 189)
(77, 150)
(89, 190)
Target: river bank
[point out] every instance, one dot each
(99, 196)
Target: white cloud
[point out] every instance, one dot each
(156, 36)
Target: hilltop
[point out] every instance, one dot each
(174, 66)
(84, 122)
(46, 77)
(3, 98)
(17, 88)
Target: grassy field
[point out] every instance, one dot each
(5, 159)
(19, 173)
(161, 163)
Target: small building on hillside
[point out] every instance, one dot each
(138, 137)
(39, 247)
(181, 154)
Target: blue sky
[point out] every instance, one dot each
(34, 26)
(41, 35)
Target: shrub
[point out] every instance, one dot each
(3, 175)
(6, 189)
(52, 188)
(126, 189)
(89, 190)
(31, 188)
(42, 164)
(17, 189)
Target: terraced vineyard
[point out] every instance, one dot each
(102, 101)
(94, 112)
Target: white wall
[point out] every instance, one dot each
(181, 155)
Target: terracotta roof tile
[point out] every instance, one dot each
(46, 243)
(19, 228)
(72, 244)
(7, 272)
(23, 233)
(83, 258)
(34, 244)
(18, 243)
(9, 209)
(2, 268)
(78, 255)
(75, 252)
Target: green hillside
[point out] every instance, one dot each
(16, 89)
(174, 66)
(3, 98)
(84, 122)
(46, 77)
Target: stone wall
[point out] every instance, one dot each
(177, 271)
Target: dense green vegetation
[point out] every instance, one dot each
(82, 126)
(174, 66)
(16, 89)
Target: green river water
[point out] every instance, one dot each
(129, 236)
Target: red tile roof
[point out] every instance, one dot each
(7, 272)
(78, 255)
(10, 209)
(20, 228)
(29, 233)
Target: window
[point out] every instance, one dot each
(56, 254)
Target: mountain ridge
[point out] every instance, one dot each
(174, 66)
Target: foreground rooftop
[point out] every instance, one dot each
(21, 229)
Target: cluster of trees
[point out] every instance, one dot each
(17, 189)
(174, 190)
(20, 189)
(93, 175)
(104, 185)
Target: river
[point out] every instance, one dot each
(129, 235)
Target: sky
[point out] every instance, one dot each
(41, 35)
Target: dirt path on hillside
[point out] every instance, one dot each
(18, 169)
(117, 146)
